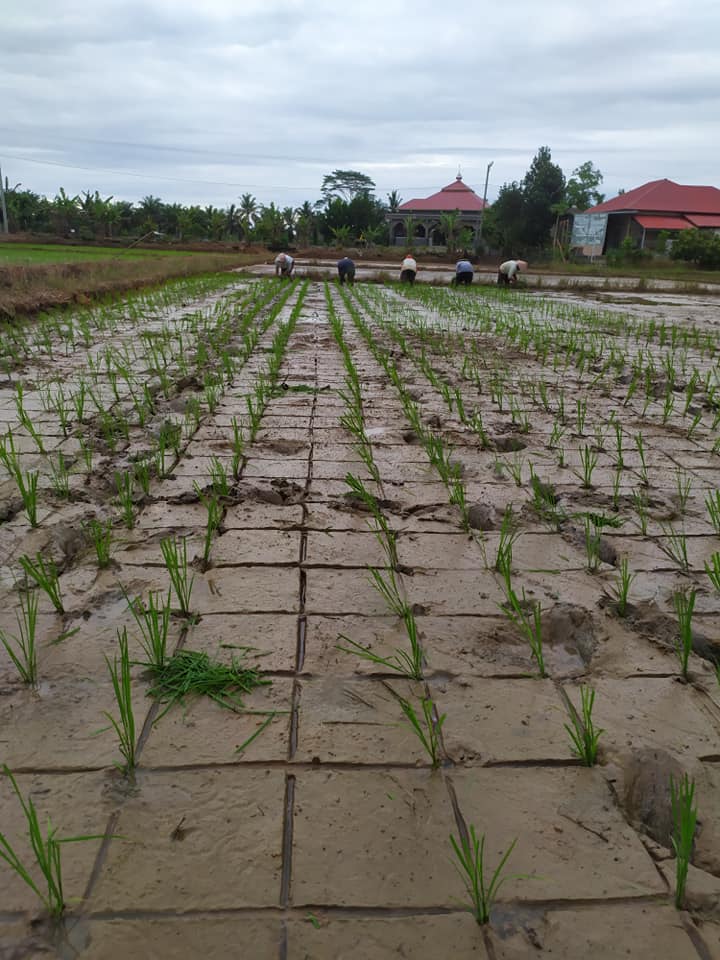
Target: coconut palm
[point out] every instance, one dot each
(450, 226)
(393, 201)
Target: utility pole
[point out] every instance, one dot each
(3, 208)
(482, 212)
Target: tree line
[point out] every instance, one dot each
(348, 212)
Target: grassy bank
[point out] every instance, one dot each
(26, 287)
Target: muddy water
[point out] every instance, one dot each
(327, 835)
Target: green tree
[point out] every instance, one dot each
(305, 224)
(508, 214)
(697, 246)
(542, 186)
(345, 185)
(581, 190)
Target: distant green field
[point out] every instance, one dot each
(57, 253)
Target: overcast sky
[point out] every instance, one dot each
(198, 101)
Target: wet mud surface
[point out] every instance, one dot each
(310, 823)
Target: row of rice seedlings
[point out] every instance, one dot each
(435, 449)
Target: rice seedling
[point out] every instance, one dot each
(86, 451)
(125, 488)
(674, 545)
(584, 736)
(386, 537)
(581, 415)
(60, 476)
(426, 725)
(219, 478)
(640, 503)
(712, 568)
(141, 475)
(529, 624)
(545, 502)
(684, 816)
(668, 405)
(238, 446)
(100, 534)
(588, 460)
(592, 544)
(470, 856)
(191, 673)
(642, 472)
(515, 468)
(46, 851)
(683, 485)
(153, 620)
(26, 421)
(175, 556)
(25, 480)
(214, 519)
(44, 573)
(509, 532)
(684, 603)
(621, 587)
(712, 503)
(124, 726)
(22, 648)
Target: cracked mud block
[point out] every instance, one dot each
(572, 841)
(381, 938)
(658, 712)
(502, 720)
(373, 839)
(174, 938)
(255, 546)
(227, 823)
(267, 641)
(246, 590)
(356, 721)
(342, 591)
(344, 549)
(643, 931)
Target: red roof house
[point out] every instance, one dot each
(659, 205)
(425, 214)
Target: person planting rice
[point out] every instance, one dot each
(408, 269)
(346, 270)
(284, 265)
(508, 271)
(463, 272)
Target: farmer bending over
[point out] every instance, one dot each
(508, 271)
(408, 269)
(346, 270)
(284, 264)
(463, 272)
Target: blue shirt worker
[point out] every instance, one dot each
(463, 272)
(346, 270)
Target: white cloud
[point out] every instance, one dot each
(268, 95)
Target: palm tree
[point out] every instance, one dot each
(66, 209)
(248, 213)
(450, 226)
(289, 216)
(409, 224)
(393, 201)
(305, 224)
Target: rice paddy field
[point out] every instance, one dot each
(361, 623)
